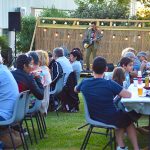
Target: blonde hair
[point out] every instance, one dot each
(43, 57)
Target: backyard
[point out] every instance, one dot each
(63, 133)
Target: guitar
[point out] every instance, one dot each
(87, 43)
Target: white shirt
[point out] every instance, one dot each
(66, 66)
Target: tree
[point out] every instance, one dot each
(25, 36)
(111, 10)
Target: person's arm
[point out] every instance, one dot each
(77, 88)
(36, 87)
(125, 94)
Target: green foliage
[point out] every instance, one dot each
(105, 10)
(3, 42)
(53, 12)
(25, 36)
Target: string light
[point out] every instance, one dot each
(102, 23)
(89, 23)
(44, 29)
(126, 38)
(114, 36)
(43, 21)
(126, 24)
(56, 34)
(65, 23)
(54, 22)
(77, 22)
(139, 37)
(68, 35)
(139, 25)
(81, 35)
(102, 31)
(114, 24)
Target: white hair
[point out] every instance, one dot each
(1, 59)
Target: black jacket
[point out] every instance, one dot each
(26, 81)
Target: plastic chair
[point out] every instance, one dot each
(17, 117)
(58, 88)
(92, 123)
(34, 113)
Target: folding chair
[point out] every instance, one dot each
(17, 118)
(92, 124)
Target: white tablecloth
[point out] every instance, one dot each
(139, 104)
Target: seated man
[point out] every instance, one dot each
(68, 97)
(8, 92)
(99, 94)
(25, 80)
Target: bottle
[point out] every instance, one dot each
(139, 77)
(147, 82)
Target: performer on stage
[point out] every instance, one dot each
(90, 43)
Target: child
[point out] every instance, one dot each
(127, 64)
(119, 75)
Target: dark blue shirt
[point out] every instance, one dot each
(99, 94)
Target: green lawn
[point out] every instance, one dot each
(62, 133)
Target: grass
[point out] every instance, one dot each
(63, 133)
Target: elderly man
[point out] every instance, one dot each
(68, 97)
(8, 92)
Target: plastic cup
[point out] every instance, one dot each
(140, 89)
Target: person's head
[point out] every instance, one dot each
(43, 57)
(130, 55)
(127, 64)
(142, 56)
(93, 25)
(74, 55)
(50, 56)
(58, 52)
(99, 65)
(119, 75)
(24, 62)
(128, 49)
(1, 59)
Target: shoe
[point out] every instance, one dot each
(119, 148)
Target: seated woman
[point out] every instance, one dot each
(25, 80)
(75, 62)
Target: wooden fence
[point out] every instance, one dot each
(69, 32)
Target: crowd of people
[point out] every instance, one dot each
(39, 71)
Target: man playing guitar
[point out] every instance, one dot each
(90, 43)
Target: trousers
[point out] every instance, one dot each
(90, 50)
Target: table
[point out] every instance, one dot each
(139, 104)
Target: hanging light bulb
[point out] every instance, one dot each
(89, 23)
(44, 29)
(102, 23)
(126, 38)
(54, 22)
(65, 23)
(77, 22)
(56, 34)
(102, 32)
(43, 21)
(68, 35)
(114, 24)
(139, 36)
(114, 36)
(81, 35)
(139, 25)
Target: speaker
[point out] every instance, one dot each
(14, 21)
